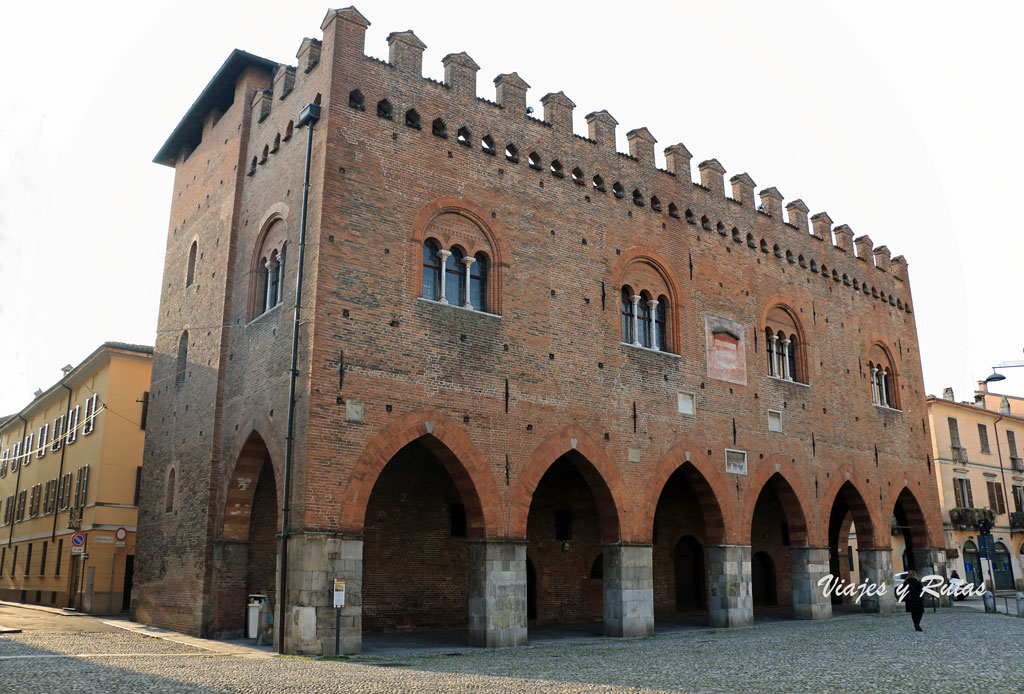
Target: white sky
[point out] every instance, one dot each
(902, 120)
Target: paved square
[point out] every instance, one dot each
(861, 653)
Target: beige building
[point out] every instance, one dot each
(69, 466)
(977, 452)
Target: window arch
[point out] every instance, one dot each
(628, 334)
(268, 271)
(487, 145)
(384, 109)
(599, 184)
(512, 153)
(465, 137)
(883, 377)
(182, 364)
(478, 283)
(431, 270)
(190, 273)
(455, 277)
(618, 190)
(785, 350)
(412, 118)
(169, 491)
(577, 176)
(439, 128)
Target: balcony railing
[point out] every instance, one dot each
(1017, 463)
(964, 518)
(958, 454)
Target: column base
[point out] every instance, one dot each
(730, 599)
(876, 567)
(809, 565)
(497, 594)
(628, 590)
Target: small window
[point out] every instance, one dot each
(356, 100)
(169, 492)
(736, 235)
(512, 153)
(764, 246)
(563, 525)
(556, 169)
(627, 316)
(288, 131)
(457, 516)
(478, 282)
(431, 271)
(774, 421)
(655, 203)
(487, 145)
(618, 190)
(577, 176)
(705, 223)
(534, 161)
(599, 184)
(690, 218)
(439, 128)
(412, 119)
(252, 166)
(638, 199)
(464, 137)
(686, 402)
(190, 273)
(277, 143)
(751, 243)
(673, 210)
(182, 364)
(384, 109)
(789, 256)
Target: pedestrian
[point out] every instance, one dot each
(913, 599)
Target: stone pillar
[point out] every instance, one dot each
(876, 567)
(730, 600)
(497, 594)
(314, 561)
(933, 561)
(628, 590)
(809, 565)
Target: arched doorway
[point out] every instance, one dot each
(415, 551)
(764, 586)
(687, 518)
(245, 560)
(850, 535)
(689, 574)
(910, 534)
(564, 532)
(777, 526)
(1001, 568)
(972, 564)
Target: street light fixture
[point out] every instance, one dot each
(996, 376)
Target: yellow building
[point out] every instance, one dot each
(69, 466)
(977, 452)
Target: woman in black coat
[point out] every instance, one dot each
(913, 599)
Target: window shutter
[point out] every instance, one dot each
(44, 439)
(72, 428)
(58, 432)
(90, 415)
(29, 440)
(15, 456)
(1000, 499)
(46, 497)
(1018, 497)
(970, 497)
(954, 432)
(53, 495)
(85, 485)
(958, 493)
(1011, 442)
(4, 460)
(78, 489)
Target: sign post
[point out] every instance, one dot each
(339, 602)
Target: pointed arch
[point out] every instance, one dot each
(846, 489)
(775, 475)
(453, 448)
(710, 487)
(623, 274)
(597, 469)
(916, 520)
(240, 487)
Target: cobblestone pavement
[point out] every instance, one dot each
(862, 653)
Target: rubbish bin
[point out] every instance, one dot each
(252, 616)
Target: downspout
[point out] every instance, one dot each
(309, 116)
(60, 472)
(17, 482)
(1002, 475)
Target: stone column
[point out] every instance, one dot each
(730, 600)
(785, 360)
(314, 561)
(876, 567)
(653, 305)
(628, 590)
(443, 255)
(875, 392)
(809, 565)
(497, 594)
(467, 261)
(636, 319)
(933, 561)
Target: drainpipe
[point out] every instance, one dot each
(1002, 476)
(17, 482)
(308, 117)
(60, 472)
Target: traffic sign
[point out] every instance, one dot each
(78, 550)
(103, 539)
(120, 534)
(78, 540)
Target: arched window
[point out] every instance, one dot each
(179, 376)
(190, 274)
(511, 153)
(465, 137)
(556, 169)
(273, 279)
(478, 283)
(791, 371)
(627, 316)
(412, 118)
(643, 314)
(661, 323)
(534, 161)
(618, 190)
(487, 144)
(769, 341)
(455, 278)
(439, 128)
(431, 271)
(577, 176)
(884, 380)
(169, 492)
(785, 353)
(384, 109)
(356, 100)
(599, 184)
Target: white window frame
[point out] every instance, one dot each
(44, 439)
(5, 459)
(71, 429)
(27, 450)
(15, 456)
(89, 423)
(57, 442)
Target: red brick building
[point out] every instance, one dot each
(538, 380)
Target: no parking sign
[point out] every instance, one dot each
(78, 543)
